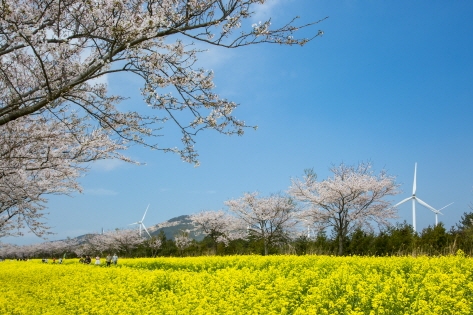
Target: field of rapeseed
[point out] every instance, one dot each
(241, 285)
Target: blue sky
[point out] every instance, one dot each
(388, 82)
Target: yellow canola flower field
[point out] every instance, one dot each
(241, 285)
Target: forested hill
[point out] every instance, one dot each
(174, 226)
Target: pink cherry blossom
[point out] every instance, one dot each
(352, 198)
(270, 219)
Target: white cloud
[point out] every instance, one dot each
(106, 165)
(214, 57)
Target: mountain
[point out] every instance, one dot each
(171, 228)
(174, 226)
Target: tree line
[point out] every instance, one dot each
(350, 205)
(395, 240)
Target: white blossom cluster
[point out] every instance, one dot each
(218, 225)
(40, 156)
(123, 241)
(353, 198)
(109, 242)
(182, 241)
(271, 219)
(53, 54)
(51, 249)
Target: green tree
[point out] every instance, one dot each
(401, 239)
(361, 242)
(464, 233)
(434, 240)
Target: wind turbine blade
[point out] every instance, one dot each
(145, 213)
(144, 227)
(414, 185)
(134, 223)
(426, 205)
(445, 207)
(401, 202)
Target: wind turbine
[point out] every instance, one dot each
(140, 223)
(437, 212)
(308, 228)
(414, 198)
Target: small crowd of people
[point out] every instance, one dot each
(45, 260)
(108, 260)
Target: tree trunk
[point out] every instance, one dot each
(214, 237)
(340, 244)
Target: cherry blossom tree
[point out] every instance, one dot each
(155, 244)
(182, 240)
(125, 240)
(353, 198)
(52, 249)
(41, 156)
(270, 219)
(97, 244)
(54, 53)
(218, 225)
(9, 251)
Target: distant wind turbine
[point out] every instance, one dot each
(308, 229)
(414, 198)
(140, 223)
(437, 212)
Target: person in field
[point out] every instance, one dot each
(115, 259)
(108, 260)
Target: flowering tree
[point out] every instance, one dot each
(351, 199)
(118, 240)
(97, 244)
(40, 156)
(218, 225)
(182, 240)
(53, 249)
(125, 240)
(268, 219)
(155, 244)
(53, 51)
